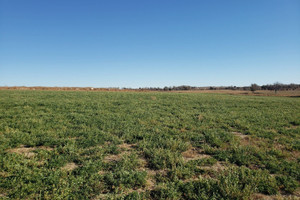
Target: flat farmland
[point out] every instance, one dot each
(148, 145)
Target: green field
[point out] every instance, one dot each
(130, 145)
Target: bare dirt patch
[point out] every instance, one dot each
(23, 150)
(217, 167)
(194, 154)
(143, 162)
(200, 117)
(294, 156)
(150, 182)
(69, 167)
(125, 149)
(112, 158)
(246, 139)
(101, 172)
(3, 195)
(27, 151)
(4, 174)
(45, 148)
(259, 196)
(291, 127)
(126, 146)
(240, 135)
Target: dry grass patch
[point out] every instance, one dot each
(126, 146)
(46, 148)
(69, 167)
(112, 158)
(295, 155)
(125, 149)
(200, 117)
(150, 183)
(4, 174)
(27, 151)
(23, 150)
(217, 167)
(291, 127)
(101, 172)
(259, 196)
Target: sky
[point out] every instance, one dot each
(149, 43)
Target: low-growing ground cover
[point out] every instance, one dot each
(129, 145)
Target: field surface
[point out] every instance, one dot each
(129, 145)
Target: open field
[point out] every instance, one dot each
(285, 93)
(129, 145)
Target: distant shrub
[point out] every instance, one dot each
(254, 87)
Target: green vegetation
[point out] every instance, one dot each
(130, 145)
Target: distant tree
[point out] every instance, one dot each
(166, 88)
(254, 87)
(277, 86)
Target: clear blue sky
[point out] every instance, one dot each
(110, 43)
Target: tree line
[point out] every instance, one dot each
(253, 87)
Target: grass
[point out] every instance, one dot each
(129, 145)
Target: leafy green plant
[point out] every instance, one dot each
(44, 132)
